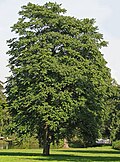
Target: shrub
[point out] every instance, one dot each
(58, 145)
(116, 145)
(76, 142)
(25, 143)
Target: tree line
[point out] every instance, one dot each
(60, 86)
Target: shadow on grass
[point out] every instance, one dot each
(73, 158)
(91, 151)
(19, 154)
(68, 158)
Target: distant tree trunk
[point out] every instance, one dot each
(39, 142)
(46, 142)
(65, 143)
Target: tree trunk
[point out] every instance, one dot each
(65, 143)
(39, 141)
(46, 148)
(46, 142)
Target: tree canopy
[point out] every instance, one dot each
(59, 79)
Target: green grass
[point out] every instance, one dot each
(106, 154)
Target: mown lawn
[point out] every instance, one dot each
(61, 155)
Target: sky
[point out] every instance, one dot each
(106, 13)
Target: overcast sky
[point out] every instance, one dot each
(106, 13)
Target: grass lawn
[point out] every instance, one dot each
(61, 155)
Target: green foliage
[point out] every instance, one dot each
(4, 115)
(58, 145)
(26, 143)
(76, 142)
(2, 96)
(112, 119)
(59, 79)
(115, 114)
(116, 145)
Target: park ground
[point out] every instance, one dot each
(61, 155)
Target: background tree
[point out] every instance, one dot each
(59, 79)
(112, 121)
(3, 111)
(1, 103)
(115, 113)
(2, 96)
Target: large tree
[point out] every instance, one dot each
(59, 78)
